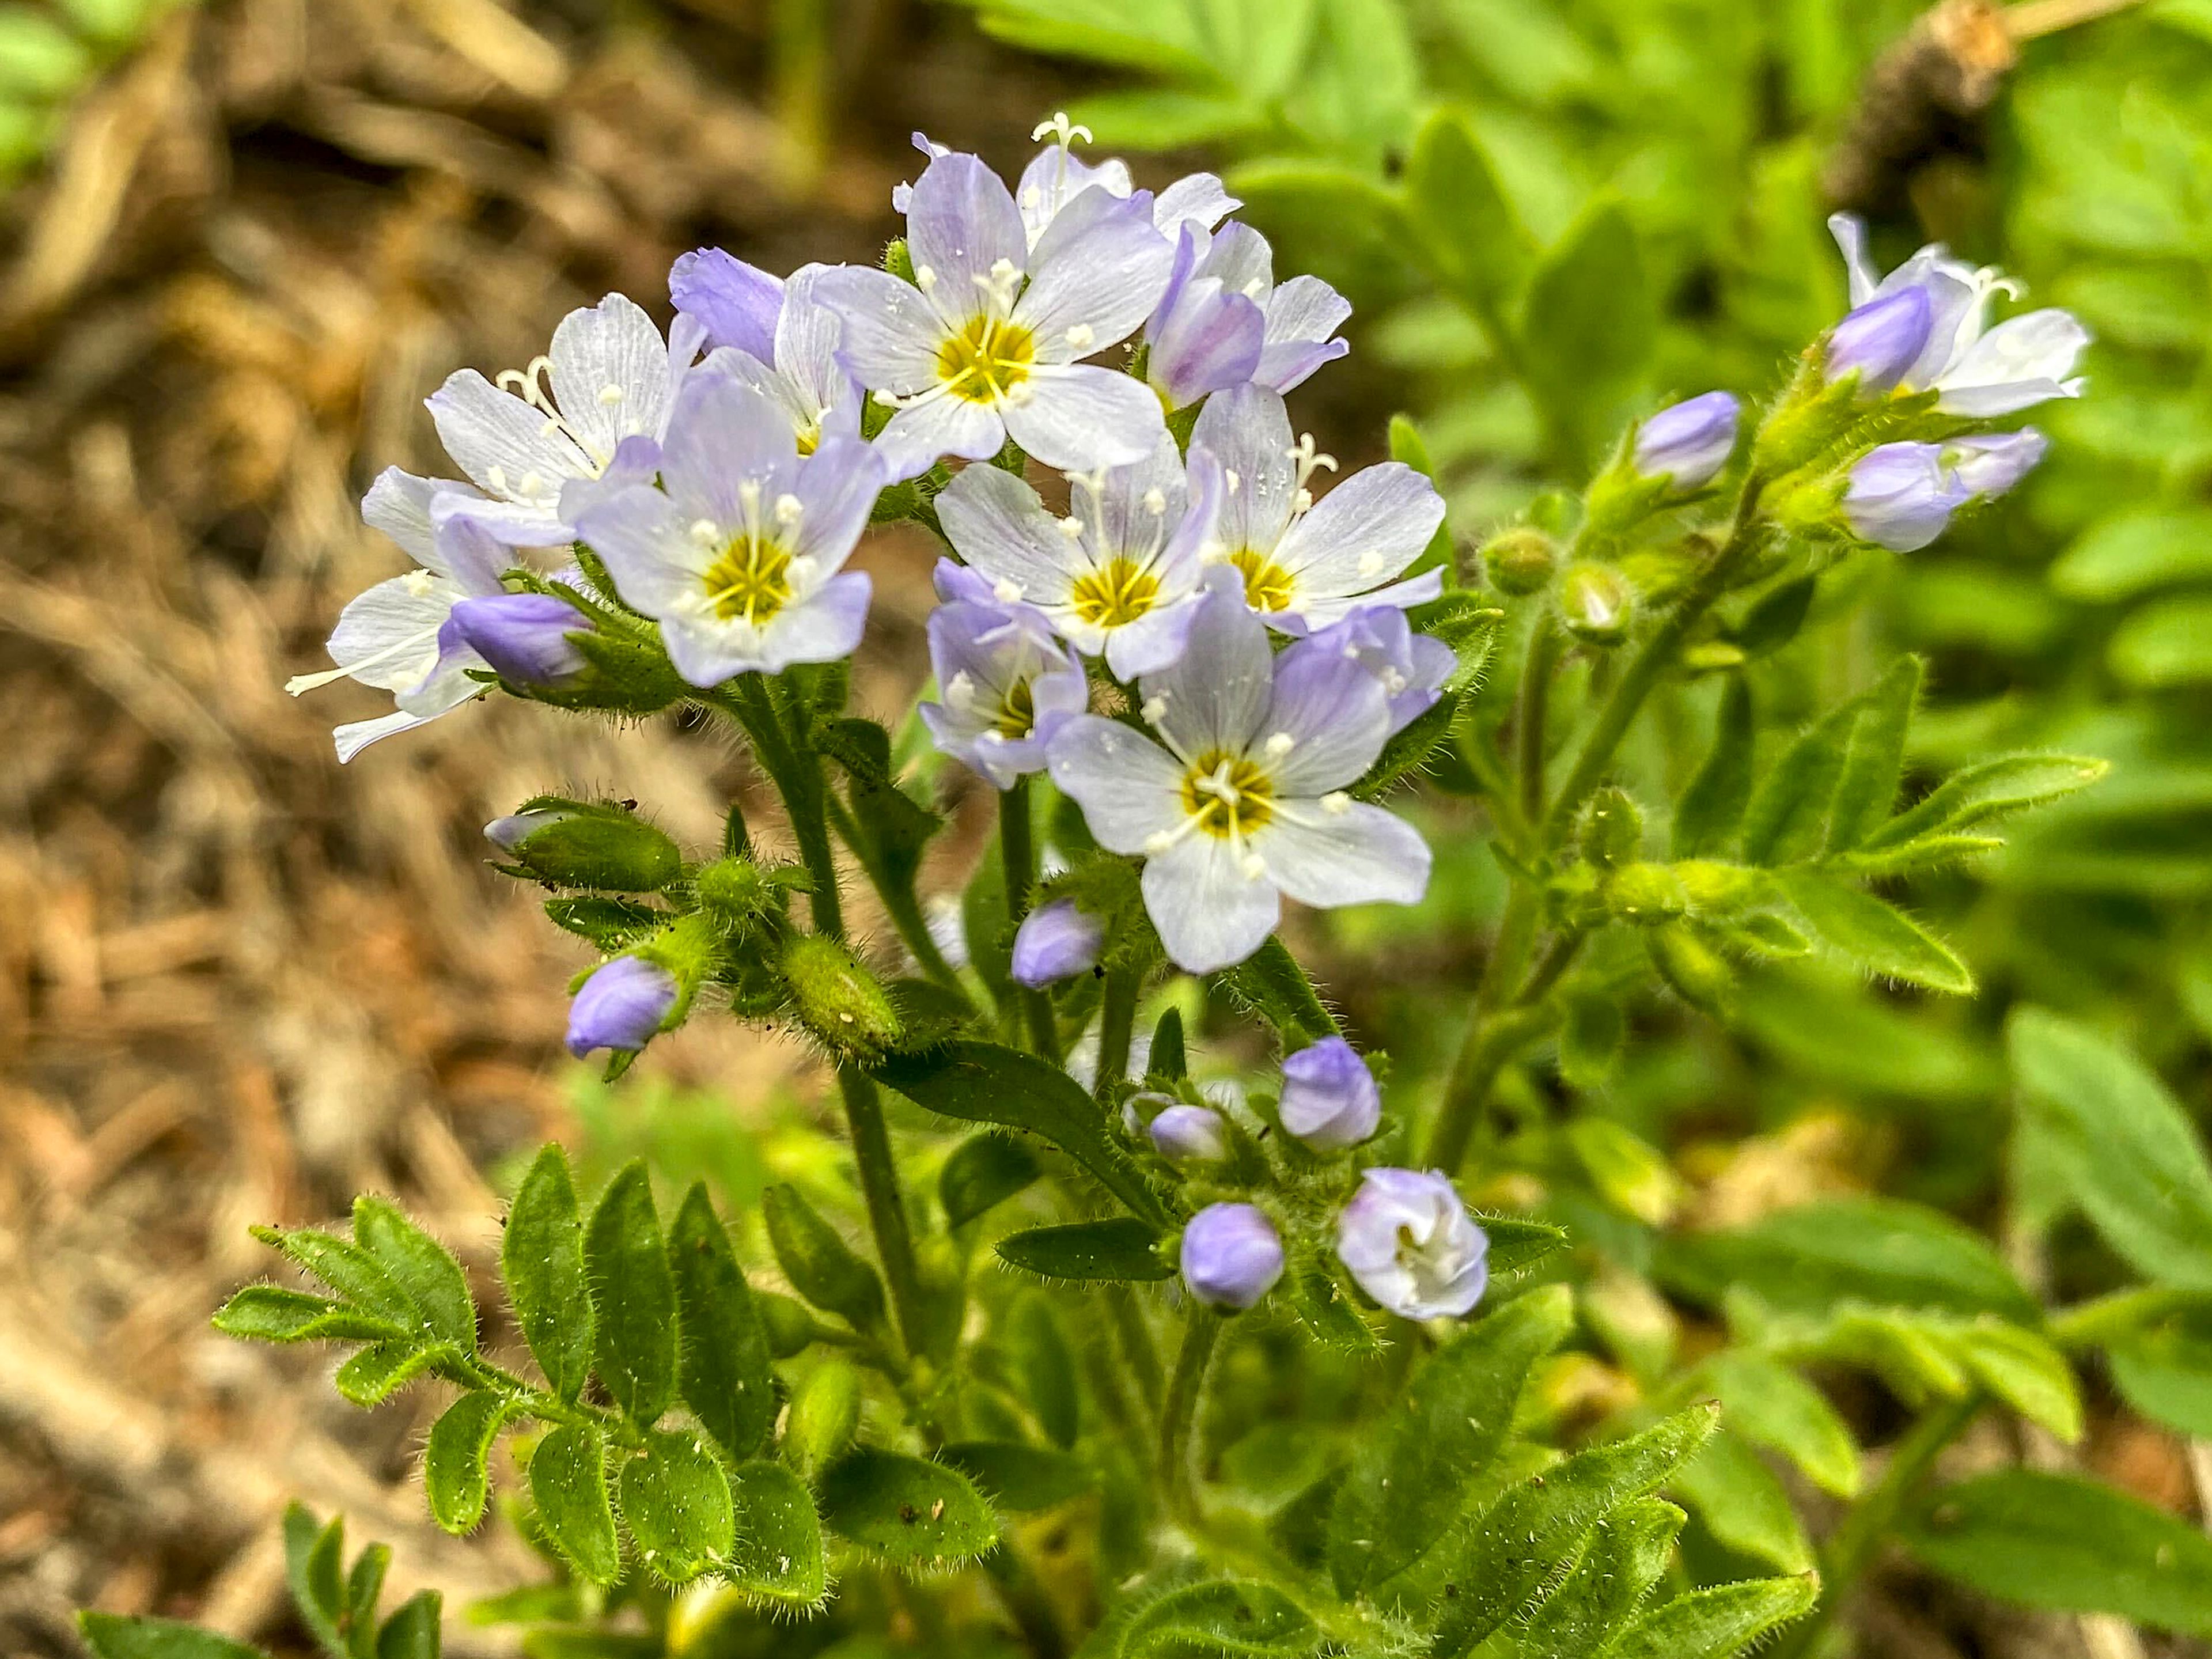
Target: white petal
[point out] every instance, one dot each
(1216, 695)
(1100, 267)
(2034, 351)
(1211, 912)
(890, 334)
(356, 735)
(1248, 430)
(1080, 417)
(1363, 532)
(1130, 789)
(997, 524)
(939, 425)
(1197, 198)
(500, 441)
(610, 374)
(399, 504)
(387, 637)
(1360, 855)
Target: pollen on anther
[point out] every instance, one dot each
(1081, 336)
(1070, 526)
(1230, 477)
(1281, 744)
(1154, 707)
(418, 582)
(610, 394)
(1252, 865)
(496, 477)
(1370, 564)
(1005, 591)
(1336, 802)
(705, 531)
(1156, 501)
(789, 509)
(925, 277)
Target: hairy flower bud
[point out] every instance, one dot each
(1882, 339)
(1231, 1256)
(837, 999)
(507, 833)
(1190, 1134)
(1595, 604)
(1329, 1097)
(1411, 1245)
(523, 637)
(1900, 496)
(622, 1007)
(583, 844)
(1056, 941)
(1689, 442)
(825, 1416)
(1520, 561)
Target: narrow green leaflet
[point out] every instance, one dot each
(275, 1313)
(1874, 935)
(351, 1271)
(1271, 985)
(636, 1295)
(821, 1266)
(542, 1260)
(1787, 818)
(1407, 1481)
(776, 1557)
(1626, 1556)
(2055, 1540)
(907, 1511)
(1874, 758)
(568, 1484)
(114, 1636)
(453, 1465)
(1516, 1245)
(1716, 1623)
(1765, 1402)
(1467, 230)
(1045, 1366)
(1986, 791)
(414, 1629)
(2025, 1371)
(2132, 1159)
(1742, 1504)
(1121, 1247)
(1229, 1617)
(381, 1369)
(984, 1171)
(983, 1083)
(722, 1362)
(2166, 1375)
(423, 1268)
(1589, 324)
(314, 1571)
(676, 1502)
(1711, 809)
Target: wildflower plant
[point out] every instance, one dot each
(1225, 677)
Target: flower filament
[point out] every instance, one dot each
(986, 359)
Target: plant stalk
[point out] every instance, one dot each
(1179, 1413)
(1117, 1020)
(879, 1185)
(1018, 858)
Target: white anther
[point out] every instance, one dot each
(1302, 503)
(1308, 457)
(1229, 477)
(801, 569)
(1018, 395)
(1158, 842)
(1155, 707)
(1155, 501)
(789, 509)
(705, 531)
(1281, 744)
(1256, 288)
(992, 734)
(496, 477)
(1370, 564)
(1005, 591)
(1252, 865)
(610, 394)
(529, 484)
(1032, 198)
(925, 278)
(1071, 527)
(1336, 802)
(1393, 681)
(888, 399)
(960, 691)
(1081, 336)
(418, 582)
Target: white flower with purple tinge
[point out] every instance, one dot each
(1223, 322)
(1231, 1256)
(622, 1007)
(397, 636)
(1056, 177)
(593, 408)
(1119, 576)
(773, 334)
(1307, 564)
(985, 343)
(1411, 1245)
(1689, 442)
(1055, 941)
(1989, 463)
(1330, 1098)
(1006, 685)
(1901, 496)
(1411, 668)
(1190, 1135)
(739, 554)
(1242, 799)
(1980, 370)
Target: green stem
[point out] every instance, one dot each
(1117, 1020)
(902, 905)
(1851, 1547)
(1179, 1413)
(2091, 1324)
(879, 1185)
(1017, 859)
(1653, 659)
(796, 772)
(1533, 704)
(1139, 1355)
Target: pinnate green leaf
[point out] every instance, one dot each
(634, 1293)
(1716, 1623)
(1742, 1503)
(275, 1313)
(1765, 1402)
(454, 1475)
(423, 1268)
(1874, 935)
(569, 1484)
(723, 1364)
(542, 1260)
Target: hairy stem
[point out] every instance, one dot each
(1018, 858)
(1533, 705)
(1179, 1412)
(879, 1185)
(1652, 660)
(1483, 1050)
(902, 905)
(797, 773)
(1117, 1020)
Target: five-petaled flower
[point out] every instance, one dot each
(1004, 683)
(775, 335)
(1223, 322)
(1411, 1245)
(1119, 576)
(1242, 797)
(985, 343)
(1306, 563)
(738, 554)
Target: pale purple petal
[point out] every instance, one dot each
(739, 304)
(1078, 417)
(723, 436)
(1206, 340)
(809, 333)
(837, 488)
(1156, 640)
(498, 439)
(939, 425)
(824, 626)
(1098, 270)
(356, 735)
(655, 565)
(960, 222)
(1362, 533)
(1197, 198)
(1248, 430)
(610, 373)
(399, 504)
(1335, 714)
(1056, 178)
(1210, 911)
(1216, 697)
(1850, 232)
(1130, 789)
(890, 333)
(1357, 855)
(996, 523)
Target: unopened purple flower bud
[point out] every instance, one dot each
(507, 833)
(1231, 1256)
(1689, 442)
(622, 1007)
(1329, 1097)
(1882, 339)
(1991, 464)
(1056, 941)
(1411, 1245)
(523, 637)
(1901, 496)
(1190, 1134)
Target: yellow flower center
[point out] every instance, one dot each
(751, 581)
(1267, 585)
(1017, 714)
(986, 359)
(1116, 594)
(1228, 794)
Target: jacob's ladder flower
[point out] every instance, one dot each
(986, 341)
(1689, 442)
(1242, 797)
(777, 336)
(1223, 322)
(1004, 686)
(1329, 1097)
(1055, 941)
(1411, 1245)
(1305, 563)
(622, 1007)
(1231, 1256)
(739, 554)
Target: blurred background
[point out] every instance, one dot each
(241, 240)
